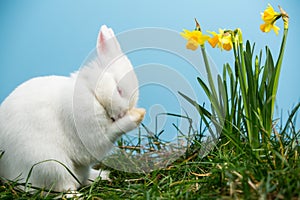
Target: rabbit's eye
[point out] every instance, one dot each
(119, 91)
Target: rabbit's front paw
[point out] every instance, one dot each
(137, 114)
(127, 123)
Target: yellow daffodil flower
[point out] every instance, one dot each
(195, 38)
(222, 39)
(269, 16)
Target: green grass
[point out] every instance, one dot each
(225, 173)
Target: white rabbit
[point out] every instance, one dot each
(69, 120)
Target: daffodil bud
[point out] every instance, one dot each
(240, 35)
(256, 67)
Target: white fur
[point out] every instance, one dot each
(37, 119)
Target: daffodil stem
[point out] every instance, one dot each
(207, 67)
(213, 98)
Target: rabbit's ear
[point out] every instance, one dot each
(107, 43)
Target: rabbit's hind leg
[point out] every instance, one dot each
(94, 174)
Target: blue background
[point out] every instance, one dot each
(55, 36)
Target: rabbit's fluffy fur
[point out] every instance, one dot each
(72, 121)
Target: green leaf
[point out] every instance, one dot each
(204, 87)
(200, 109)
(222, 95)
(293, 113)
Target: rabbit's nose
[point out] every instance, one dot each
(119, 116)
